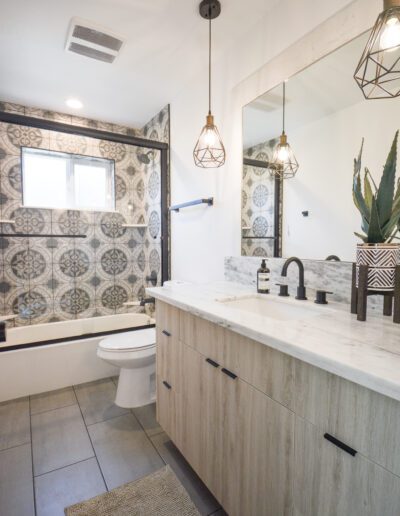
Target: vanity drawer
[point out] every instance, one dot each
(330, 481)
(268, 370)
(167, 321)
(363, 419)
(169, 369)
(205, 337)
(168, 355)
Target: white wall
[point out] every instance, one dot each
(326, 149)
(201, 238)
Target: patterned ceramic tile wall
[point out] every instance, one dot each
(58, 278)
(258, 203)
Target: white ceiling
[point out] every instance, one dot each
(165, 46)
(320, 90)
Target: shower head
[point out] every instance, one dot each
(145, 157)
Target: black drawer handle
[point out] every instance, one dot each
(167, 385)
(229, 373)
(212, 362)
(167, 333)
(340, 445)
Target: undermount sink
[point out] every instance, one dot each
(273, 308)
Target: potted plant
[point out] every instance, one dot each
(380, 221)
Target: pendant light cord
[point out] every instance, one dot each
(284, 103)
(209, 63)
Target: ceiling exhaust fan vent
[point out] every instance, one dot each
(92, 41)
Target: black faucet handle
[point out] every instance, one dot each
(283, 290)
(321, 297)
(3, 335)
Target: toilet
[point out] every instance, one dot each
(134, 352)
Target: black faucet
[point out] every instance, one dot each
(332, 258)
(301, 289)
(147, 301)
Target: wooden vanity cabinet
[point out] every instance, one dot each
(268, 370)
(364, 419)
(251, 422)
(238, 440)
(330, 482)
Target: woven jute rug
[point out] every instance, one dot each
(158, 494)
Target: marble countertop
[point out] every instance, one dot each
(367, 353)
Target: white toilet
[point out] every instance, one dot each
(135, 353)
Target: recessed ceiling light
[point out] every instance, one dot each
(74, 103)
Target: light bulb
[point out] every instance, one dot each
(209, 151)
(210, 138)
(283, 153)
(390, 38)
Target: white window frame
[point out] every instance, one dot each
(72, 160)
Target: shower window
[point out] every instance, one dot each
(67, 181)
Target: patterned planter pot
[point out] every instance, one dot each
(381, 260)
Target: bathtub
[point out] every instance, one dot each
(50, 332)
(45, 357)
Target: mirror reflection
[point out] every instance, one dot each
(312, 215)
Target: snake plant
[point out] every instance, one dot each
(379, 206)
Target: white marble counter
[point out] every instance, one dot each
(367, 353)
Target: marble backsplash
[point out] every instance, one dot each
(318, 275)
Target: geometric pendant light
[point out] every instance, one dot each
(378, 72)
(209, 151)
(284, 164)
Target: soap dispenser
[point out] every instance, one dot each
(263, 278)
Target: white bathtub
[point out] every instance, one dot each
(41, 368)
(77, 327)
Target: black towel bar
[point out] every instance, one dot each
(177, 207)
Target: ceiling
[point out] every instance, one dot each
(165, 46)
(320, 90)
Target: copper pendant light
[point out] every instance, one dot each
(378, 72)
(284, 164)
(209, 151)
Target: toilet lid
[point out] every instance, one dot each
(130, 340)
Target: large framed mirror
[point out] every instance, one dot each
(312, 215)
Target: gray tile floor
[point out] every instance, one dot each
(65, 446)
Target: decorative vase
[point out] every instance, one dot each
(382, 260)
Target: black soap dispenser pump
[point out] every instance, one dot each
(263, 274)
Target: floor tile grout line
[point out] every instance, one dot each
(158, 432)
(108, 419)
(52, 409)
(31, 444)
(145, 433)
(63, 467)
(91, 443)
(15, 446)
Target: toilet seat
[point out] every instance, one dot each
(130, 341)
